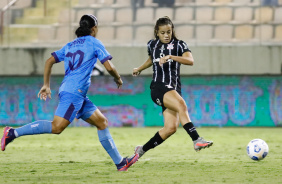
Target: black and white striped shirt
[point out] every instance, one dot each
(169, 73)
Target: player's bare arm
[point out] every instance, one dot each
(45, 91)
(186, 59)
(113, 72)
(145, 65)
(73, 101)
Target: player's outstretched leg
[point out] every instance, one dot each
(8, 137)
(201, 143)
(139, 150)
(127, 162)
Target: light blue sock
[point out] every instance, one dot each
(108, 143)
(37, 127)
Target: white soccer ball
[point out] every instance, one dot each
(257, 149)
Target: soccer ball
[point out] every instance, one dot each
(257, 149)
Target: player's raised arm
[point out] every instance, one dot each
(45, 91)
(113, 72)
(145, 65)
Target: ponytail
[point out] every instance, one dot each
(85, 24)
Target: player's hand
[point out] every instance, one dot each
(164, 60)
(118, 82)
(44, 92)
(135, 72)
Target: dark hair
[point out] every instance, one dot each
(85, 24)
(161, 22)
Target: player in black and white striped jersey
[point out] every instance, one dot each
(167, 54)
(168, 73)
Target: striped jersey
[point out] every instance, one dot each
(169, 73)
(80, 57)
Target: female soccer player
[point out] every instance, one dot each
(166, 54)
(80, 57)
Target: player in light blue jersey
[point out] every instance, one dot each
(80, 57)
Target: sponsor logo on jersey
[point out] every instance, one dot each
(168, 86)
(158, 102)
(158, 60)
(170, 46)
(77, 42)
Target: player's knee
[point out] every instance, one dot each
(182, 107)
(103, 124)
(171, 130)
(57, 129)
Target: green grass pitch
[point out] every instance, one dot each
(76, 156)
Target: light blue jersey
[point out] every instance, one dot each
(80, 57)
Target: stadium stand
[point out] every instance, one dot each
(278, 34)
(222, 2)
(80, 12)
(203, 2)
(124, 35)
(240, 2)
(263, 33)
(188, 18)
(106, 16)
(47, 34)
(18, 4)
(150, 3)
(186, 33)
(64, 34)
(164, 11)
(204, 15)
(222, 15)
(243, 15)
(2, 4)
(123, 3)
(106, 34)
(144, 15)
(204, 33)
(66, 16)
(243, 33)
(196, 21)
(263, 15)
(143, 34)
(184, 2)
(223, 33)
(124, 16)
(101, 3)
(86, 3)
(277, 15)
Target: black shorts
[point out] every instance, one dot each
(158, 89)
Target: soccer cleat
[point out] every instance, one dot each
(139, 150)
(8, 137)
(127, 162)
(201, 143)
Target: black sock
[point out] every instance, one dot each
(153, 142)
(11, 133)
(191, 130)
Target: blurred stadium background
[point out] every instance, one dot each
(237, 46)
